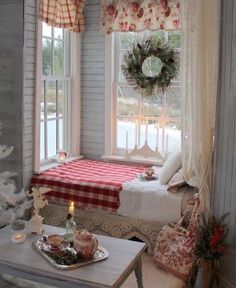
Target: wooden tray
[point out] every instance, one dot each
(67, 258)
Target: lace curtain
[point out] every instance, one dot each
(199, 72)
(123, 15)
(66, 14)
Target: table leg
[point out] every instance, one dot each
(138, 273)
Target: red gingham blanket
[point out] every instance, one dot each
(88, 183)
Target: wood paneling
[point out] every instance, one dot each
(224, 197)
(11, 88)
(29, 88)
(93, 84)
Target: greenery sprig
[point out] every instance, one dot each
(211, 237)
(133, 64)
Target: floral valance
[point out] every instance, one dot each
(123, 15)
(66, 14)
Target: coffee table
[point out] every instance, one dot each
(23, 261)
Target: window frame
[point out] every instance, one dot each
(111, 83)
(74, 122)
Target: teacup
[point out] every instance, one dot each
(149, 172)
(54, 240)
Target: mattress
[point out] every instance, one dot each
(152, 201)
(90, 184)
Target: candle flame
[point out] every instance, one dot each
(72, 204)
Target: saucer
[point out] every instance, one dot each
(47, 247)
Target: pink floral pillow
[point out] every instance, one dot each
(176, 181)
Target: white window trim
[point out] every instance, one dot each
(74, 143)
(109, 99)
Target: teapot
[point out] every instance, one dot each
(85, 243)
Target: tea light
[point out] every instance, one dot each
(18, 231)
(72, 209)
(61, 156)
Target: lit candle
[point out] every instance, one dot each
(72, 209)
(157, 143)
(136, 133)
(61, 156)
(18, 237)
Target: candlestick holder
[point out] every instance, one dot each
(145, 152)
(18, 231)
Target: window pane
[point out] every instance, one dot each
(151, 106)
(42, 140)
(127, 102)
(47, 30)
(51, 99)
(127, 39)
(126, 131)
(42, 101)
(159, 34)
(51, 133)
(58, 33)
(47, 57)
(174, 38)
(61, 133)
(173, 136)
(58, 58)
(173, 102)
(61, 102)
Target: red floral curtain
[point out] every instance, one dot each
(66, 14)
(123, 15)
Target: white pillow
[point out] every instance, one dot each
(172, 165)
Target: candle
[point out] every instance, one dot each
(72, 209)
(18, 237)
(157, 139)
(146, 131)
(61, 156)
(18, 231)
(136, 133)
(167, 138)
(127, 139)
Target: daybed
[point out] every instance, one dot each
(110, 199)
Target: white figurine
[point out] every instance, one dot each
(36, 222)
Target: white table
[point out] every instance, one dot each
(23, 261)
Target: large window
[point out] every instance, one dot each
(55, 102)
(137, 119)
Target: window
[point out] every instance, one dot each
(58, 92)
(137, 119)
(55, 91)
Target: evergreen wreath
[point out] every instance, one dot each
(132, 66)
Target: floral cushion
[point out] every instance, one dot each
(176, 181)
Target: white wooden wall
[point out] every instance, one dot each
(225, 156)
(11, 95)
(29, 88)
(93, 84)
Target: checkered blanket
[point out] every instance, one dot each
(88, 183)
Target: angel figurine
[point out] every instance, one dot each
(36, 222)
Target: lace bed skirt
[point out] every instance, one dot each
(101, 222)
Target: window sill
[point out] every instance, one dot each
(53, 163)
(133, 160)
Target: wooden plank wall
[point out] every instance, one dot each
(11, 78)
(225, 169)
(29, 88)
(225, 155)
(92, 84)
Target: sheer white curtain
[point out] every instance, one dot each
(199, 73)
